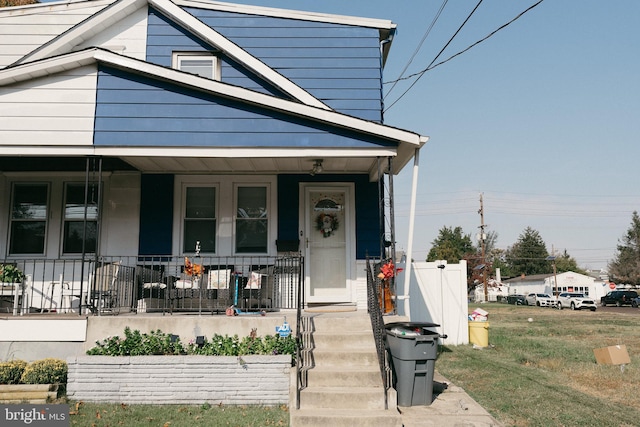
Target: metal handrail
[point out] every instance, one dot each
(301, 342)
(379, 334)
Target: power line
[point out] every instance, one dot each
(437, 56)
(424, 37)
(431, 66)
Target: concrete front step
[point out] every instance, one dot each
(355, 376)
(344, 358)
(335, 341)
(346, 324)
(342, 398)
(345, 418)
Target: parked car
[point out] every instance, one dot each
(619, 298)
(635, 302)
(516, 299)
(575, 301)
(539, 299)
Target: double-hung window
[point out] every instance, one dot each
(252, 219)
(202, 64)
(29, 214)
(76, 226)
(200, 219)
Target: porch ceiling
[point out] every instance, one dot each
(255, 165)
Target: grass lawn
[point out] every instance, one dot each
(538, 373)
(116, 415)
(543, 372)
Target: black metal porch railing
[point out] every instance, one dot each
(374, 290)
(113, 285)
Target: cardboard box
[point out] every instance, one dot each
(612, 355)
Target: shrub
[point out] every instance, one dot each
(45, 371)
(10, 274)
(135, 343)
(11, 371)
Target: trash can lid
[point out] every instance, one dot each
(410, 325)
(410, 329)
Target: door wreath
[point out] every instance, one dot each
(327, 223)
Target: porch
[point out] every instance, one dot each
(111, 285)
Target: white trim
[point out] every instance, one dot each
(412, 216)
(179, 56)
(86, 29)
(225, 187)
(76, 59)
(221, 152)
(179, 213)
(37, 8)
(381, 24)
(306, 227)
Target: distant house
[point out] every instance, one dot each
(136, 133)
(566, 282)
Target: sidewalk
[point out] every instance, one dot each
(452, 407)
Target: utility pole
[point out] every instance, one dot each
(482, 240)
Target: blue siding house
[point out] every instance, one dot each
(140, 132)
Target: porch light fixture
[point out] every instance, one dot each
(317, 167)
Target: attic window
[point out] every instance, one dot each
(203, 65)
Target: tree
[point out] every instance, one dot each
(528, 255)
(451, 245)
(498, 259)
(625, 266)
(565, 262)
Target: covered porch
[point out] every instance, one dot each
(112, 285)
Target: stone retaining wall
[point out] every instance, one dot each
(245, 380)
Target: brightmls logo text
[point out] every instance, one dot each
(34, 415)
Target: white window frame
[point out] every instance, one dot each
(236, 188)
(183, 210)
(46, 219)
(56, 182)
(225, 210)
(64, 220)
(178, 57)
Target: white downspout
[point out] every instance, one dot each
(412, 219)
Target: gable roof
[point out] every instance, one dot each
(119, 9)
(53, 65)
(59, 54)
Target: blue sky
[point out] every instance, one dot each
(542, 118)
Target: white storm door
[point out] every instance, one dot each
(328, 250)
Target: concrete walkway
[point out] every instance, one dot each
(452, 407)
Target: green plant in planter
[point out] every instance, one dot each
(157, 342)
(136, 343)
(11, 371)
(10, 274)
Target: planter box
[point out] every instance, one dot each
(31, 393)
(230, 380)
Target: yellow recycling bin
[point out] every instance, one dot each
(479, 333)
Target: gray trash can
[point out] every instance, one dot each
(413, 350)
